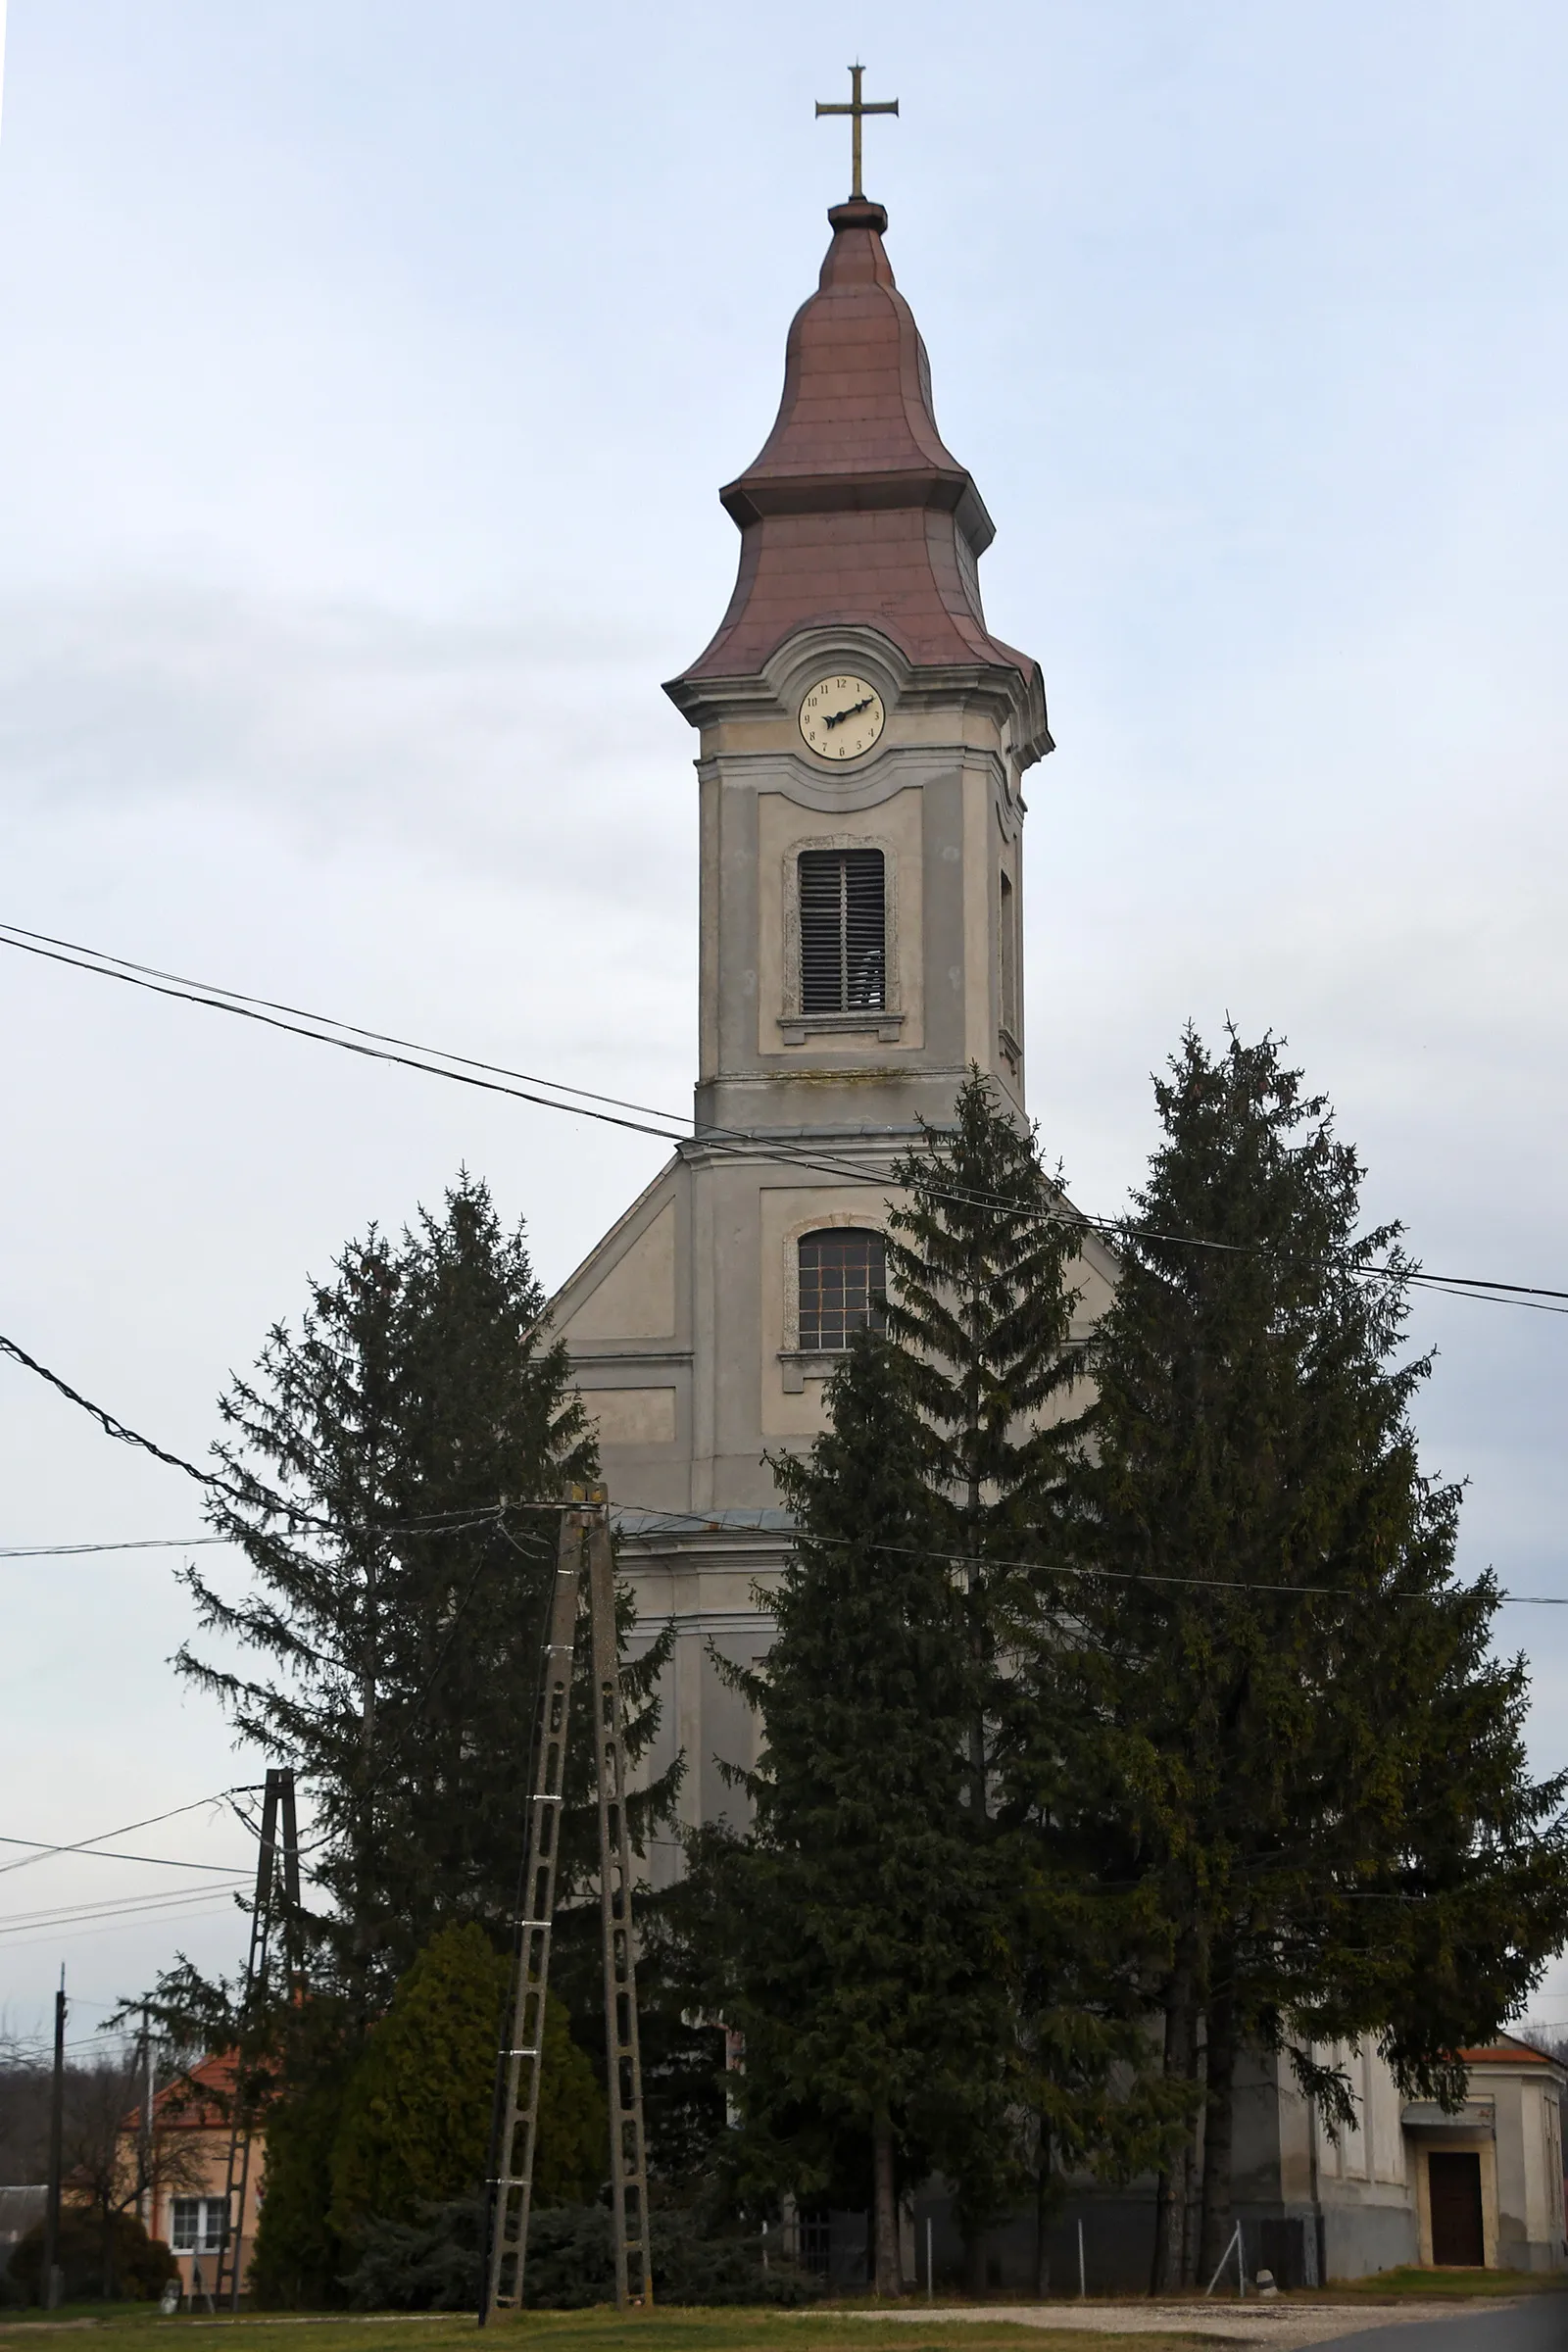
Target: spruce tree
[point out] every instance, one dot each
(980, 1309)
(386, 1468)
(1316, 1769)
(299, 2257)
(859, 1924)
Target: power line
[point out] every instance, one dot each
(71, 1551)
(290, 1018)
(43, 1850)
(107, 966)
(130, 1906)
(126, 1827)
(433, 1523)
(690, 1522)
(670, 1127)
(187, 1903)
(492, 1514)
(13, 2046)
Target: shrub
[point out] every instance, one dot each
(415, 2122)
(433, 2264)
(138, 2265)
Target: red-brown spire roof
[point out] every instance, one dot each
(855, 511)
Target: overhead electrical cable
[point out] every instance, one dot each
(687, 1523)
(433, 1523)
(665, 1126)
(134, 1907)
(395, 1752)
(126, 1827)
(682, 1522)
(42, 1850)
(348, 1039)
(71, 1551)
(108, 966)
(125, 1907)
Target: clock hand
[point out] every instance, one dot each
(839, 716)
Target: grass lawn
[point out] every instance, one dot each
(1440, 2285)
(602, 2331)
(822, 2329)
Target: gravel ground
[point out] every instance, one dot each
(1283, 2324)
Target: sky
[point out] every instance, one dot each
(367, 377)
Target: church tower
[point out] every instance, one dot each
(863, 740)
(861, 745)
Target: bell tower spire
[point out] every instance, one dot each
(862, 739)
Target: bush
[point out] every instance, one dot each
(431, 2263)
(415, 2122)
(373, 2130)
(133, 2267)
(434, 2263)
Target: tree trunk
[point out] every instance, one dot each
(885, 2211)
(1218, 2222)
(1169, 2267)
(1043, 2203)
(975, 1576)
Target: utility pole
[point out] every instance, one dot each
(57, 2138)
(279, 1853)
(628, 2152)
(144, 2200)
(584, 1545)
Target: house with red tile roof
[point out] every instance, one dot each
(188, 2204)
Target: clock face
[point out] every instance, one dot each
(842, 716)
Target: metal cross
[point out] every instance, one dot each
(856, 108)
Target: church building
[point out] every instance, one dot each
(863, 740)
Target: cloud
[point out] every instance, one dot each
(530, 748)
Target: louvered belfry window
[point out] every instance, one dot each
(843, 1278)
(843, 931)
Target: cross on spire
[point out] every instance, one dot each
(856, 108)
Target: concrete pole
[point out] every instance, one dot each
(57, 2135)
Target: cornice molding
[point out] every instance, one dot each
(1009, 697)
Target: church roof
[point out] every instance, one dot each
(854, 510)
(1506, 2049)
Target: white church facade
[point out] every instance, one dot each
(863, 744)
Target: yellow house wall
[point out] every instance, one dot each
(201, 2170)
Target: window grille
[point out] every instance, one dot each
(843, 931)
(199, 2225)
(1009, 944)
(815, 2240)
(843, 1286)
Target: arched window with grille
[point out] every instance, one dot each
(842, 915)
(842, 1274)
(1008, 957)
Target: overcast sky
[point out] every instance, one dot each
(367, 376)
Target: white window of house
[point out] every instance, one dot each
(199, 2226)
(843, 910)
(843, 1287)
